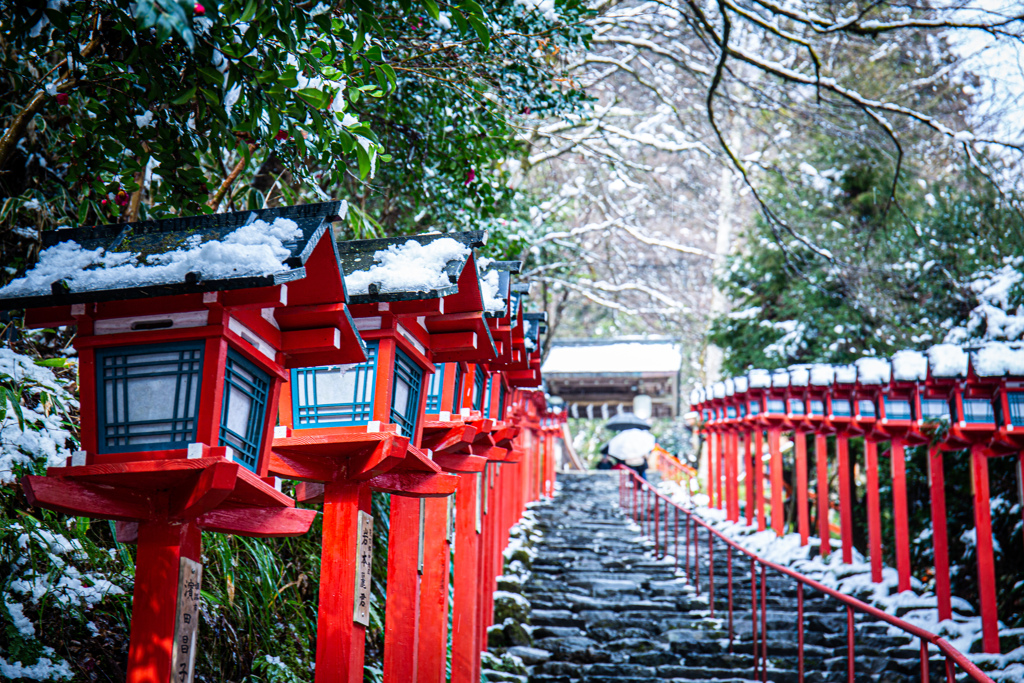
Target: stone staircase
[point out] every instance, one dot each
(604, 610)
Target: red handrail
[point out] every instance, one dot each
(953, 656)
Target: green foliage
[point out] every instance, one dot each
(122, 111)
(895, 278)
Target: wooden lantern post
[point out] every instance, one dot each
(796, 413)
(364, 430)
(716, 451)
(745, 433)
(899, 420)
(1008, 403)
(774, 417)
(973, 426)
(840, 410)
(947, 363)
(731, 427)
(871, 372)
(178, 394)
(819, 382)
(758, 382)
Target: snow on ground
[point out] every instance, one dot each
(409, 267)
(916, 606)
(252, 250)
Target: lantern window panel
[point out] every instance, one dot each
(898, 409)
(796, 406)
(730, 412)
(244, 409)
(817, 407)
(405, 394)
(755, 407)
(434, 387)
(866, 407)
(776, 405)
(335, 395)
(148, 396)
(841, 407)
(978, 411)
(478, 388)
(457, 396)
(934, 409)
(742, 408)
(487, 396)
(1015, 399)
(501, 400)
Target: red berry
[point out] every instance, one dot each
(200, 9)
(281, 135)
(63, 99)
(103, 201)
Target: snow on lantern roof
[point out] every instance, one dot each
(730, 387)
(998, 359)
(799, 375)
(780, 378)
(623, 356)
(406, 268)
(759, 379)
(495, 281)
(845, 374)
(718, 389)
(535, 325)
(741, 384)
(947, 360)
(873, 370)
(184, 255)
(822, 374)
(909, 366)
(694, 397)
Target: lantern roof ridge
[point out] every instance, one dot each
(997, 359)
(759, 378)
(873, 370)
(947, 360)
(407, 268)
(909, 366)
(822, 374)
(170, 256)
(496, 285)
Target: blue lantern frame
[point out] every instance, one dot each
(252, 382)
(308, 413)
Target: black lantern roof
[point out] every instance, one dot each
(78, 277)
(536, 325)
(504, 270)
(358, 256)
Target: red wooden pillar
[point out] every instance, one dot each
(720, 471)
(983, 546)
(465, 636)
(758, 475)
(711, 469)
(433, 632)
(803, 522)
(733, 481)
(874, 510)
(940, 538)
(750, 474)
(401, 618)
(897, 462)
(161, 547)
(775, 467)
(845, 497)
(340, 640)
(821, 463)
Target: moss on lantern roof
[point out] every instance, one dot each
(218, 252)
(406, 268)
